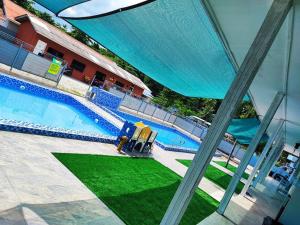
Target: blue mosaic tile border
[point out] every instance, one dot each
(106, 99)
(30, 128)
(24, 127)
(112, 113)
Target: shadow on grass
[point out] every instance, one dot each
(217, 176)
(148, 207)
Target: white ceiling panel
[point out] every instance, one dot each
(238, 22)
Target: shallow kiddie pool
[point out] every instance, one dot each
(168, 137)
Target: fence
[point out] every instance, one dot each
(157, 112)
(18, 55)
(191, 127)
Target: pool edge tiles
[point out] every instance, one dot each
(45, 92)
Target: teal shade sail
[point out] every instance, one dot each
(171, 41)
(244, 130)
(57, 6)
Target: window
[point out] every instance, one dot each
(100, 76)
(77, 65)
(99, 79)
(118, 83)
(53, 52)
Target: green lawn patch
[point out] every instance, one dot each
(215, 175)
(231, 168)
(138, 190)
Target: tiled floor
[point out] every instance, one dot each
(265, 201)
(36, 187)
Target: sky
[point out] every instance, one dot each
(93, 7)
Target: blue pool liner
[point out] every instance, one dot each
(25, 127)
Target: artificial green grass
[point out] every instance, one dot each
(215, 175)
(138, 190)
(231, 168)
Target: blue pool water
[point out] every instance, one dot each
(21, 106)
(166, 135)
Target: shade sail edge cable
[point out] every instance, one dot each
(119, 10)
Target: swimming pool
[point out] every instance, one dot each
(43, 108)
(168, 137)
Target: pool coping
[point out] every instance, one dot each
(38, 129)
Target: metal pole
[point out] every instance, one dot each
(140, 107)
(262, 157)
(202, 132)
(145, 108)
(195, 125)
(154, 111)
(61, 74)
(230, 155)
(91, 83)
(165, 116)
(174, 120)
(15, 58)
(234, 96)
(250, 150)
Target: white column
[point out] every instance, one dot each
(262, 157)
(233, 98)
(249, 152)
(274, 158)
(262, 172)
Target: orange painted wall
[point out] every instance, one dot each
(27, 34)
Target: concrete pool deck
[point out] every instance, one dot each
(36, 188)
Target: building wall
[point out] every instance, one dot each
(28, 35)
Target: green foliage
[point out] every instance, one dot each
(186, 106)
(79, 35)
(138, 190)
(27, 4)
(282, 159)
(246, 110)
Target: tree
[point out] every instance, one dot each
(80, 36)
(47, 17)
(246, 110)
(27, 4)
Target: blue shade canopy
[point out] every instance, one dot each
(57, 6)
(171, 41)
(244, 130)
